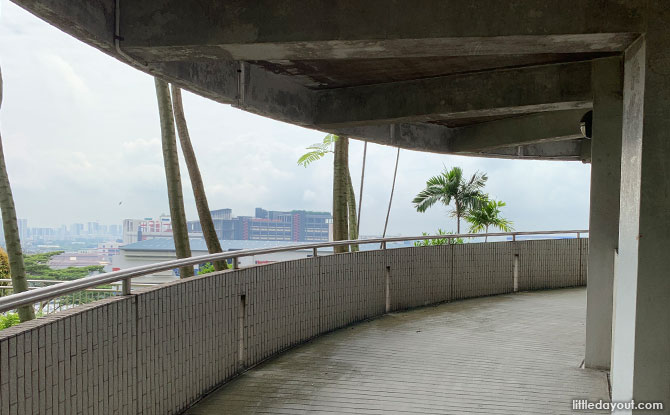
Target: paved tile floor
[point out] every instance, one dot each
(510, 354)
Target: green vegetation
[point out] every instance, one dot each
(4, 264)
(345, 221)
(470, 202)
(450, 186)
(487, 215)
(37, 268)
(318, 151)
(206, 268)
(4, 271)
(439, 241)
(8, 320)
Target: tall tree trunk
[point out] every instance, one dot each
(171, 161)
(12, 238)
(458, 219)
(351, 204)
(340, 191)
(208, 231)
(486, 238)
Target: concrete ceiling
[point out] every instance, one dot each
(486, 78)
(340, 73)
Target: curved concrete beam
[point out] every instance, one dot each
(553, 136)
(481, 94)
(317, 29)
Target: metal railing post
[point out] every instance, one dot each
(236, 263)
(314, 252)
(125, 286)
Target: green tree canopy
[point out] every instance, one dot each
(450, 186)
(487, 214)
(4, 264)
(37, 268)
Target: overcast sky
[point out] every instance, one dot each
(81, 135)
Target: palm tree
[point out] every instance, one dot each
(12, 238)
(208, 231)
(450, 186)
(171, 162)
(488, 214)
(352, 218)
(341, 193)
(345, 221)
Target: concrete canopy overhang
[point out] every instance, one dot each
(443, 76)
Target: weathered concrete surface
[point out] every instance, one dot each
(604, 210)
(407, 64)
(641, 364)
(513, 132)
(545, 136)
(503, 92)
(315, 29)
(513, 354)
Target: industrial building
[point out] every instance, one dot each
(269, 225)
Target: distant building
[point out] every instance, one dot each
(109, 248)
(23, 229)
(92, 228)
(76, 229)
(135, 230)
(42, 233)
(224, 214)
(294, 226)
(115, 230)
(76, 259)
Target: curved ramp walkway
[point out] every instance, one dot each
(510, 354)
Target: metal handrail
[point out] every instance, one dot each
(13, 301)
(37, 280)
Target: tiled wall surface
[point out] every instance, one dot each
(158, 351)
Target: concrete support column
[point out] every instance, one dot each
(641, 337)
(607, 86)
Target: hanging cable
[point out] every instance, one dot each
(360, 195)
(388, 212)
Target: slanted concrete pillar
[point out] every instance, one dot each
(607, 80)
(641, 338)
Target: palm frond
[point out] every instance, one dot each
(486, 215)
(318, 150)
(310, 157)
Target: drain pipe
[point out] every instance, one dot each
(118, 38)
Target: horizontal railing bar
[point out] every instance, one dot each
(13, 301)
(87, 290)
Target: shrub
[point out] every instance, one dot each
(8, 320)
(439, 241)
